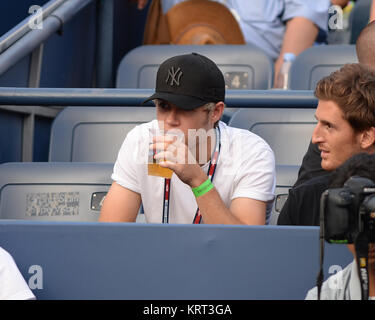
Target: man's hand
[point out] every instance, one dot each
(175, 155)
(341, 3)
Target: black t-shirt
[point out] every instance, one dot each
(303, 204)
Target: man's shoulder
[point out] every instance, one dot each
(316, 183)
(5, 256)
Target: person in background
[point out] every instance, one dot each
(311, 163)
(344, 3)
(341, 3)
(12, 285)
(345, 284)
(276, 26)
(346, 126)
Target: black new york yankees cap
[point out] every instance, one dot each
(189, 81)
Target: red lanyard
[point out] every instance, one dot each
(210, 173)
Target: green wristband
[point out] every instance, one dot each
(203, 188)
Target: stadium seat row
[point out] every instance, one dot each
(243, 66)
(84, 145)
(74, 191)
(89, 138)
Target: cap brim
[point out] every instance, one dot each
(180, 101)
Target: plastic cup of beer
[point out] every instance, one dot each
(154, 168)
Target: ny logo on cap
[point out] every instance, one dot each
(174, 76)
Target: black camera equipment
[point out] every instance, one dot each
(347, 215)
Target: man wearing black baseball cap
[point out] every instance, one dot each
(201, 170)
(189, 81)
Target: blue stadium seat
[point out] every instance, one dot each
(286, 176)
(287, 130)
(94, 134)
(243, 66)
(157, 262)
(53, 191)
(317, 62)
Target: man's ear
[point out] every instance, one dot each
(368, 138)
(218, 111)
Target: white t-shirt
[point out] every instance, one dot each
(343, 285)
(12, 285)
(246, 168)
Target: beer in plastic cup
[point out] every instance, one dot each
(154, 169)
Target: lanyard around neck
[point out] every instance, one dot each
(210, 173)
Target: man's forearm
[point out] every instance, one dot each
(212, 207)
(214, 210)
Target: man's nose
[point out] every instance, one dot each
(316, 135)
(172, 118)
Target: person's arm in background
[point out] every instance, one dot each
(300, 34)
(341, 3)
(303, 20)
(372, 11)
(141, 4)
